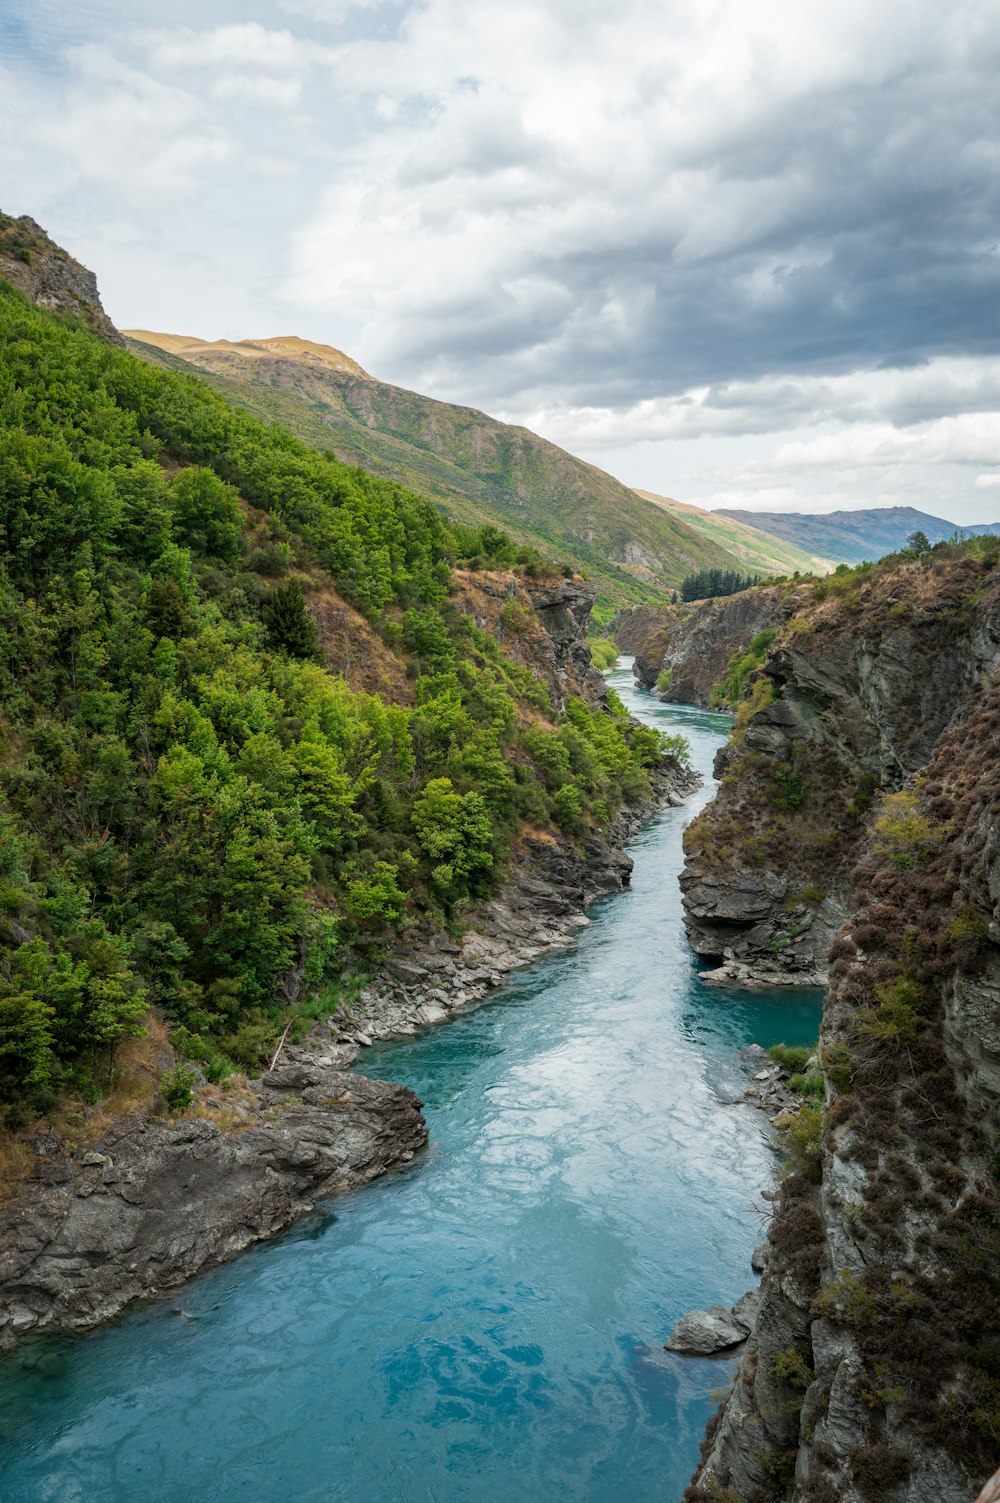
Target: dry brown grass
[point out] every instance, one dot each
(350, 646)
(237, 1111)
(535, 836)
(16, 1159)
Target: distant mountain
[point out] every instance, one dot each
(476, 468)
(755, 550)
(849, 537)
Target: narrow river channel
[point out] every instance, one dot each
(487, 1326)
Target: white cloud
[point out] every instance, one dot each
(129, 131)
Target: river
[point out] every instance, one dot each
(486, 1326)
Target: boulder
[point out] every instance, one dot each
(701, 1333)
(759, 1257)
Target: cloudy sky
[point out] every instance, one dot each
(742, 252)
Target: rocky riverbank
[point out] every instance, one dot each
(158, 1201)
(541, 908)
(870, 1374)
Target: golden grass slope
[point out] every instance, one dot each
(286, 346)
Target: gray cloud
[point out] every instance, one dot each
(651, 222)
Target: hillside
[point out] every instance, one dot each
(851, 537)
(478, 470)
(250, 729)
(756, 550)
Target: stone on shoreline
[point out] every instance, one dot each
(702, 1333)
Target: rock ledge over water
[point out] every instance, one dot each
(158, 1201)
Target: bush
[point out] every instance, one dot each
(904, 836)
(802, 1142)
(177, 1088)
(603, 653)
(664, 679)
(791, 1057)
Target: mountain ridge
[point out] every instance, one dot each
(854, 537)
(764, 551)
(480, 470)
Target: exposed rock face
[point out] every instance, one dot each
(696, 642)
(541, 624)
(158, 1202)
(864, 693)
(871, 1373)
(49, 276)
(644, 633)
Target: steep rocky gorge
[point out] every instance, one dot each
(872, 1372)
(157, 1199)
(695, 643)
(851, 701)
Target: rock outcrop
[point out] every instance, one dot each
(158, 1201)
(50, 277)
(852, 699)
(703, 1333)
(871, 1374)
(541, 624)
(696, 643)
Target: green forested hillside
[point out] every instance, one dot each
(478, 469)
(191, 804)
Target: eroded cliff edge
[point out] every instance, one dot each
(856, 691)
(694, 645)
(873, 1371)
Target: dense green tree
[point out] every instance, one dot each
(289, 625)
(710, 582)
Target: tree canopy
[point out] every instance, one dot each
(192, 803)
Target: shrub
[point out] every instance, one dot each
(802, 1142)
(664, 679)
(790, 1366)
(903, 834)
(177, 1088)
(603, 653)
(791, 1057)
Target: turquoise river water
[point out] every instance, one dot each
(486, 1326)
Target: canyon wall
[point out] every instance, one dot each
(873, 1371)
